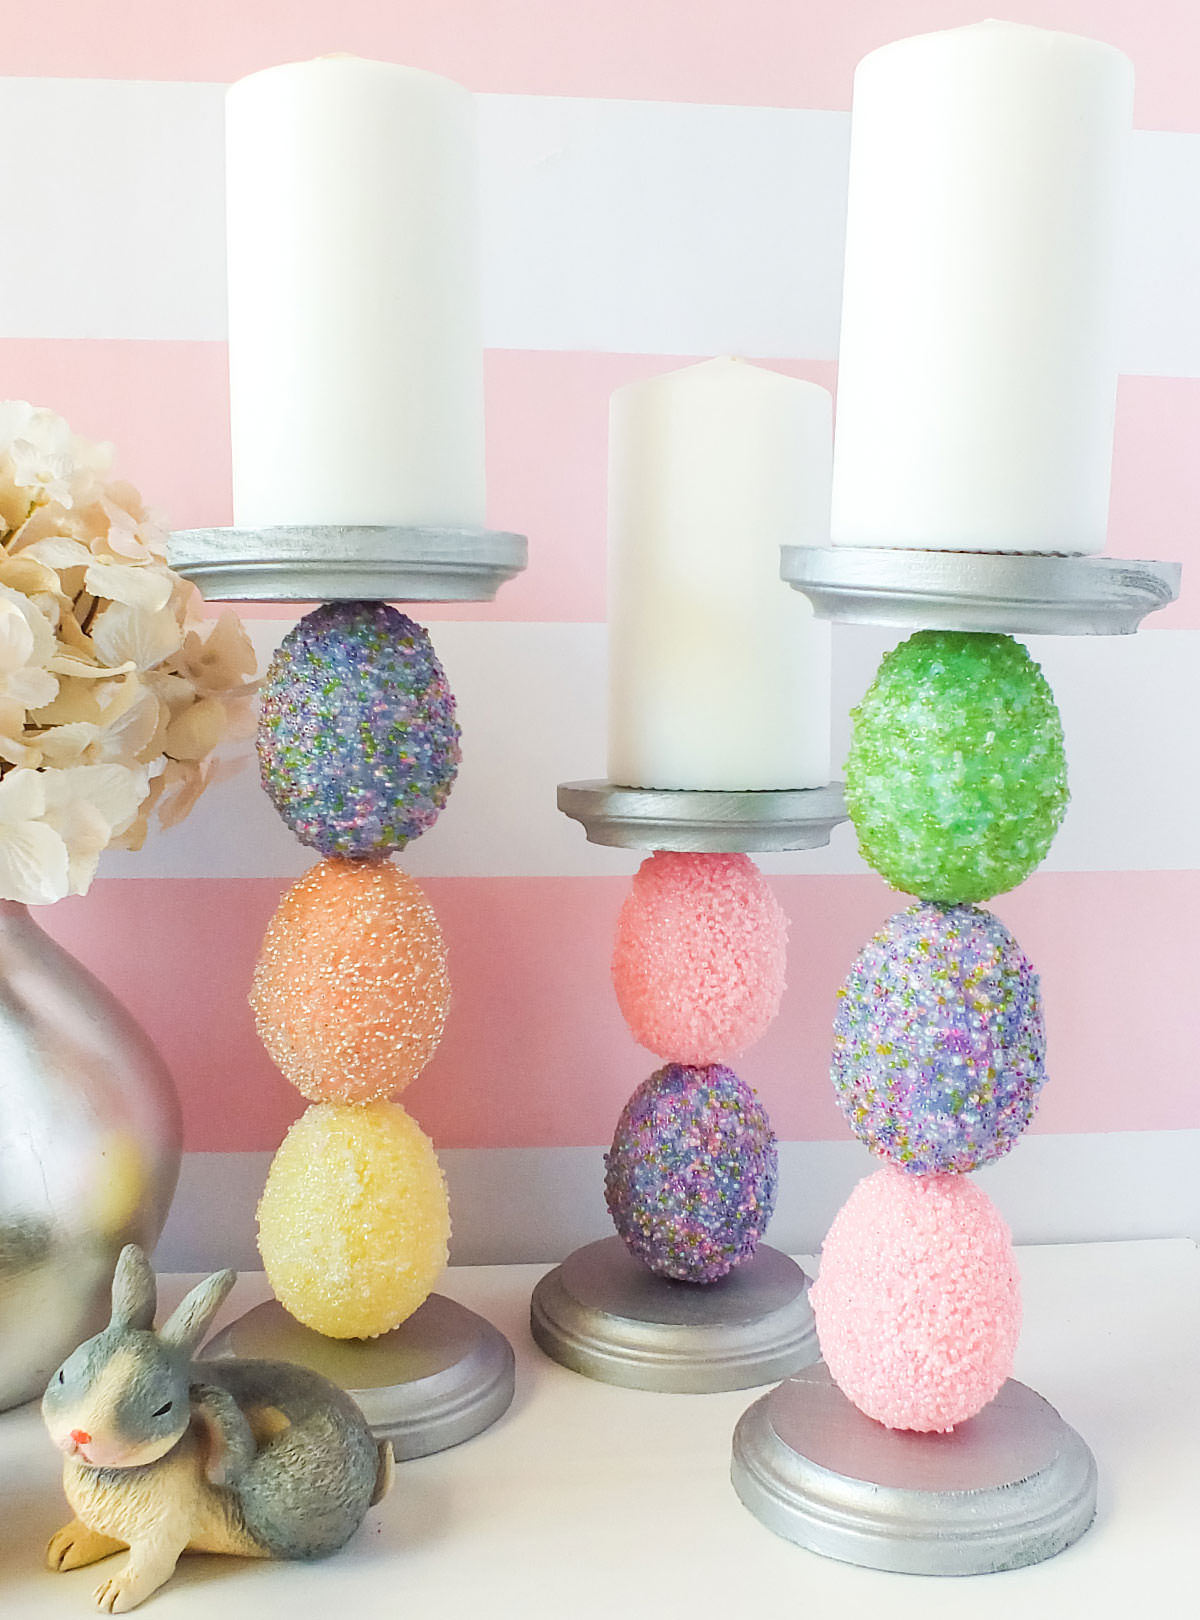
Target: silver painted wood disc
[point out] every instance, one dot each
(1007, 592)
(604, 1314)
(360, 563)
(439, 1378)
(695, 821)
(1012, 1486)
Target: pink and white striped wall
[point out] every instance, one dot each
(662, 179)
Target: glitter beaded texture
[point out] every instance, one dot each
(690, 1177)
(956, 780)
(354, 1223)
(700, 957)
(917, 1304)
(358, 744)
(938, 1042)
(351, 990)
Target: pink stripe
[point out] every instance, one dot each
(536, 1053)
(782, 53)
(165, 405)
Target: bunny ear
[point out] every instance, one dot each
(188, 1322)
(134, 1292)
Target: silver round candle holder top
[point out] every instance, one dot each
(1012, 1486)
(1006, 592)
(351, 563)
(606, 1315)
(438, 1379)
(699, 822)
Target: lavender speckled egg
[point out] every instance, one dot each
(358, 744)
(939, 1046)
(691, 1175)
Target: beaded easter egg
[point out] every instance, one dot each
(690, 1178)
(358, 744)
(354, 1223)
(917, 1304)
(351, 988)
(700, 957)
(956, 779)
(939, 1047)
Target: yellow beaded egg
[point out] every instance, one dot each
(354, 1222)
(351, 989)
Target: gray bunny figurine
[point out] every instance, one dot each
(163, 1454)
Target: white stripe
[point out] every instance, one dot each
(531, 703)
(1052, 1189)
(639, 227)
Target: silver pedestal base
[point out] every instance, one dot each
(362, 563)
(604, 1314)
(1012, 1486)
(436, 1380)
(694, 822)
(1007, 592)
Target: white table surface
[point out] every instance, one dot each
(592, 1503)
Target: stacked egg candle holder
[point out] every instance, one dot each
(909, 1447)
(358, 749)
(687, 1298)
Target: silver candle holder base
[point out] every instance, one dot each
(347, 563)
(438, 1379)
(699, 822)
(604, 1314)
(1004, 592)
(1012, 1486)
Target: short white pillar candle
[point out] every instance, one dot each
(719, 673)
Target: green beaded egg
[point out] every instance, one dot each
(956, 780)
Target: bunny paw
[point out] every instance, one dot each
(126, 1589)
(75, 1545)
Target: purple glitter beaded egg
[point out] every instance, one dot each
(690, 1178)
(939, 1047)
(357, 741)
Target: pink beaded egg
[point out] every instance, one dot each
(700, 956)
(917, 1303)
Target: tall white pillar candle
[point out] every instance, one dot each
(977, 373)
(355, 348)
(719, 674)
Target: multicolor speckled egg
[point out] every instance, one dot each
(939, 1046)
(956, 779)
(358, 744)
(690, 1178)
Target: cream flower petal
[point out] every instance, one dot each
(34, 866)
(124, 634)
(32, 687)
(16, 639)
(67, 745)
(57, 551)
(115, 791)
(66, 664)
(22, 796)
(25, 574)
(43, 636)
(86, 833)
(16, 751)
(148, 588)
(196, 730)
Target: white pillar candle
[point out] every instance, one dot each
(977, 373)
(719, 674)
(355, 348)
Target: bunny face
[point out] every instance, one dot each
(119, 1401)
